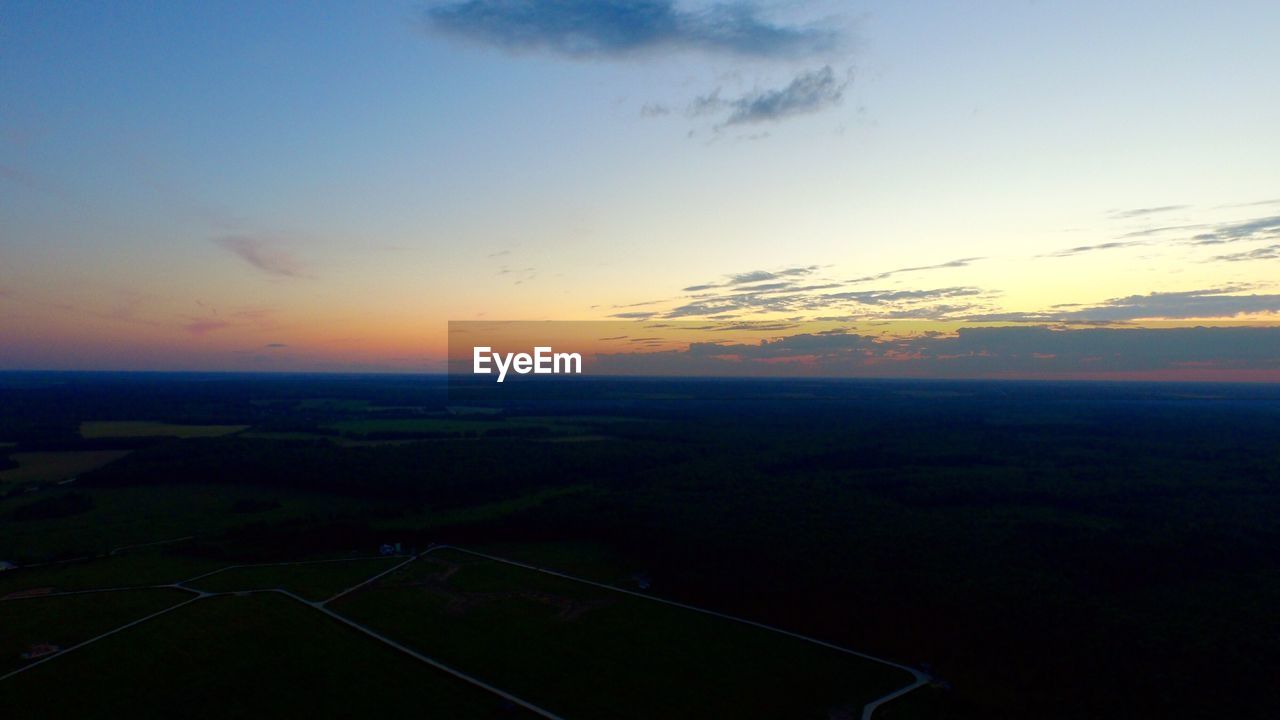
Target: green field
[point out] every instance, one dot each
(55, 466)
(561, 426)
(132, 428)
(150, 567)
(261, 655)
(591, 561)
(129, 515)
(67, 620)
(312, 580)
(489, 511)
(584, 651)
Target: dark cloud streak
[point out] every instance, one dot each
(621, 28)
(806, 93)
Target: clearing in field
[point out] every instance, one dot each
(584, 651)
(261, 655)
(132, 428)
(55, 466)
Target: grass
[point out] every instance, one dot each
(71, 619)
(256, 656)
(135, 568)
(477, 513)
(925, 702)
(313, 580)
(132, 428)
(450, 425)
(129, 515)
(581, 559)
(272, 435)
(583, 651)
(55, 466)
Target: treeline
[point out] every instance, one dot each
(434, 474)
(56, 506)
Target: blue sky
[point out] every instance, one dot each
(185, 184)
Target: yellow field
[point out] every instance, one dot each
(53, 466)
(132, 428)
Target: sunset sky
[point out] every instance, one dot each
(323, 186)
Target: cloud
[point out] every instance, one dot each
(1209, 303)
(1081, 249)
(1270, 252)
(1261, 228)
(806, 93)
(962, 262)
(586, 29)
(1256, 203)
(1148, 232)
(204, 326)
(882, 297)
(634, 315)
(755, 276)
(785, 297)
(266, 255)
(1248, 352)
(1258, 228)
(1189, 304)
(1140, 212)
(750, 277)
(275, 346)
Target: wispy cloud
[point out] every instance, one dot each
(806, 300)
(624, 28)
(1082, 249)
(204, 326)
(1222, 302)
(962, 262)
(1255, 229)
(755, 276)
(1256, 203)
(882, 297)
(1248, 352)
(1141, 212)
(1270, 252)
(807, 92)
(266, 255)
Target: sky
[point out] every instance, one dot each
(324, 186)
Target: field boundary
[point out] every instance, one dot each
(319, 606)
(919, 679)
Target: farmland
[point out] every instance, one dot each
(316, 669)
(56, 466)
(133, 428)
(1035, 550)
(584, 651)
